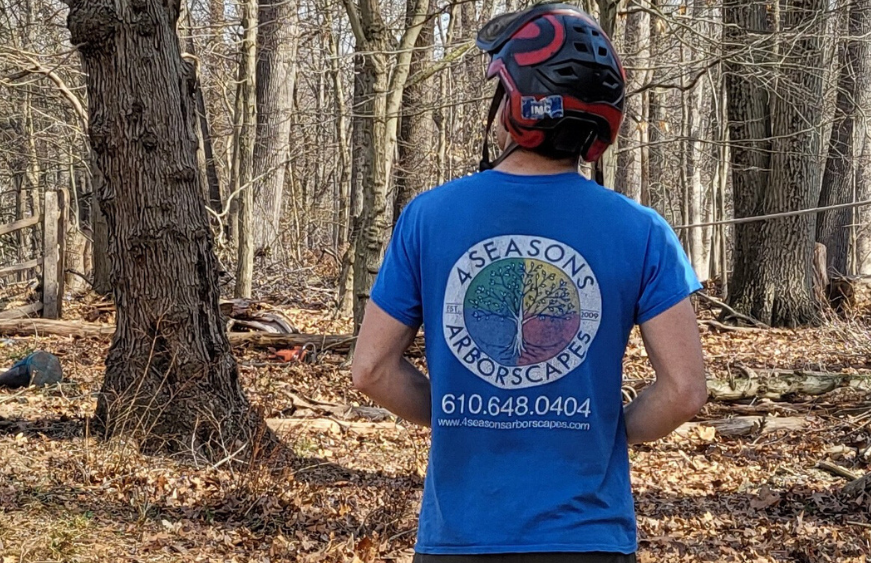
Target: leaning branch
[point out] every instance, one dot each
(740, 220)
(65, 91)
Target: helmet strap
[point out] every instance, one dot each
(599, 172)
(485, 163)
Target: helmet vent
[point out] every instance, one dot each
(567, 72)
(603, 52)
(581, 48)
(594, 32)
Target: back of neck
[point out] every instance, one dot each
(527, 163)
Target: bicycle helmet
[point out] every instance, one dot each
(561, 79)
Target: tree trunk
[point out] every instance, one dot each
(209, 179)
(243, 171)
(415, 171)
(637, 49)
(833, 226)
(656, 157)
(374, 224)
(276, 73)
(379, 132)
(607, 165)
(171, 381)
(100, 228)
(773, 274)
(699, 130)
(343, 208)
(862, 236)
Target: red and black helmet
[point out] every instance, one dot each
(562, 81)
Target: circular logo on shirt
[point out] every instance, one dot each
(521, 311)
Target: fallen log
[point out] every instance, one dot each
(21, 312)
(339, 343)
(745, 425)
(781, 383)
(287, 425)
(40, 327)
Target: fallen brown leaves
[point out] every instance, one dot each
(348, 488)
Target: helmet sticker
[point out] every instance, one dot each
(551, 106)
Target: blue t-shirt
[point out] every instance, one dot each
(528, 287)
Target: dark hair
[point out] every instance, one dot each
(569, 140)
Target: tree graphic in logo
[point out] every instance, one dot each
(521, 311)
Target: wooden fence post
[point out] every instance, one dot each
(53, 261)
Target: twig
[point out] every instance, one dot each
(732, 312)
(229, 457)
(836, 470)
(727, 328)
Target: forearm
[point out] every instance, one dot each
(402, 389)
(658, 410)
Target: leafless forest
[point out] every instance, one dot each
(196, 197)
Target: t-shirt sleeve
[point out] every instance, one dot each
(397, 286)
(668, 276)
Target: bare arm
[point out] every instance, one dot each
(381, 372)
(672, 342)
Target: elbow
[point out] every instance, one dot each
(695, 396)
(363, 377)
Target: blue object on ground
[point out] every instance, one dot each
(39, 368)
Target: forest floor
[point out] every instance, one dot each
(351, 492)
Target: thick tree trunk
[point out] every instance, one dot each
(637, 48)
(773, 275)
(833, 227)
(171, 381)
(243, 169)
(276, 73)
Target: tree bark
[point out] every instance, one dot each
(100, 228)
(698, 129)
(171, 381)
(379, 132)
(276, 74)
(343, 207)
(861, 256)
(833, 226)
(211, 183)
(416, 167)
(607, 165)
(243, 170)
(636, 45)
(656, 157)
(775, 143)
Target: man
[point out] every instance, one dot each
(529, 278)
